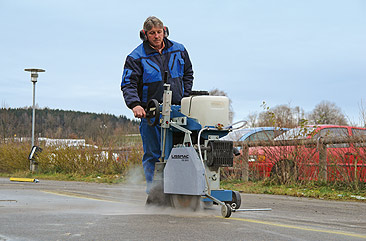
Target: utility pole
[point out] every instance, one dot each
(34, 76)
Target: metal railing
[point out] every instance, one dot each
(320, 144)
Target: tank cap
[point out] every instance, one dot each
(199, 92)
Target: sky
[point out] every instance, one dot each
(292, 52)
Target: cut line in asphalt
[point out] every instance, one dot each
(76, 195)
(297, 227)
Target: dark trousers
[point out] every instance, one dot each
(151, 144)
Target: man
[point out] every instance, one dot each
(142, 80)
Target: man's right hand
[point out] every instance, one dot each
(139, 112)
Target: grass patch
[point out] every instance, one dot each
(311, 190)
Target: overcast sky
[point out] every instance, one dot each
(281, 52)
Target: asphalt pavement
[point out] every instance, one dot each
(56, 210)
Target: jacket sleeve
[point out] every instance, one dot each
(188, 74)
(131, 82)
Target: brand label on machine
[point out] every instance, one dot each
(182, 157)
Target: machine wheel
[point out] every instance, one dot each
(226, 211)
(179, 201)
(152, 112)
(236, 200)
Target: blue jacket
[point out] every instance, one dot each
(144, 69)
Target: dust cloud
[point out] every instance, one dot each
(132, 197)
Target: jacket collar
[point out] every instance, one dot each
(149, 50)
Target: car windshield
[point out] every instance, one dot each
(254, 134)
(236, 135)
(296, 133)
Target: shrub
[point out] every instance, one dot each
(14, 157)
(70, 160)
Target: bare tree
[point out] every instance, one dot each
(266, 118)
(252, 119)
(284, 116)
(281, 116)
(217, 92)
(327, 112)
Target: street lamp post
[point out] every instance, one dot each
(34, 76)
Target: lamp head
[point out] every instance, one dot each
(34, 73)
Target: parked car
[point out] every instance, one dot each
(345, 161)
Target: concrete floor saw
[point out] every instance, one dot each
(188, 173)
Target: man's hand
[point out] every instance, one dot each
(139, 112)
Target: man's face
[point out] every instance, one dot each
(155, 37)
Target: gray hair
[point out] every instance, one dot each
(151, 22)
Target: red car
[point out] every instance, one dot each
(345, 161)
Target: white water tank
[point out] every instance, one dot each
(206, 109)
